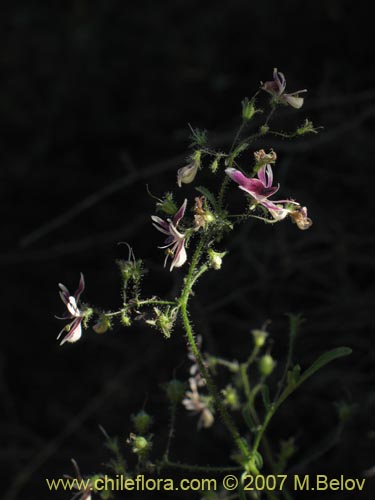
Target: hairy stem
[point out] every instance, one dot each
(243, 448)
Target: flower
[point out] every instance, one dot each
(261, 189)
(276, 88)
(175, 241)
(74, 328)
(194, 402)
(186, 175)
(299, 216)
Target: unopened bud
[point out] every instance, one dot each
(102, 325)
(125, 319)
(175, 390)
(142, 422)
(260, 337)
(248, 109)
(215, 259)
(167, 205)
(266, 365)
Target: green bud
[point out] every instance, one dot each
(215, 258)
(142, 422)
(248, 109)
(103, 324)
(266, 365)
(231, 397)
(264, 129)
(214, 166)
(140, 444)
(175, 390)
(167, 205)
(345, 410)
(260, 337)
(125, 319)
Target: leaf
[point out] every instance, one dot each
(323, 360)
(210, 197)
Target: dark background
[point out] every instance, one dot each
(95, 98)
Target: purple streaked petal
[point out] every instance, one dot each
(164, 231)
(180, 256)
(258, 191)
(268, 175)
(262, 175)
(176, 235)
(279, 78)
(236, 176)
(180, 213)
(64, 297)
(74, 333)
(160, 222)
(80, 289)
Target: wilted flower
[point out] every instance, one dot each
(74, 328)
(175, 242)
(186, 175)
(299, 216)
(202, 216)
(276, 88)
(194, 402)
(262, 158)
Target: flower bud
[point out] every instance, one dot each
(125, 319)
(266, 365)
(215, 258)
(214, 166)
(167, 204)
(231, 397)
(140, 444)
(186, 175)
(175, 390)
(248, 109)
(260, 337)
(142, 422)
(102, 325)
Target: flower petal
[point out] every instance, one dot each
(74, 333)
(180, 255)
(180, 213)
(80, 289)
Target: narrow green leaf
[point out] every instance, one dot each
(323, 360)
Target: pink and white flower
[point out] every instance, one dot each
(175, 241)
(261, 189)
(198, 405)
(276, 88)
(74, 328)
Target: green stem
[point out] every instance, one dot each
(197, 355)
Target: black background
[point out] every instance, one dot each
(96, 94)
